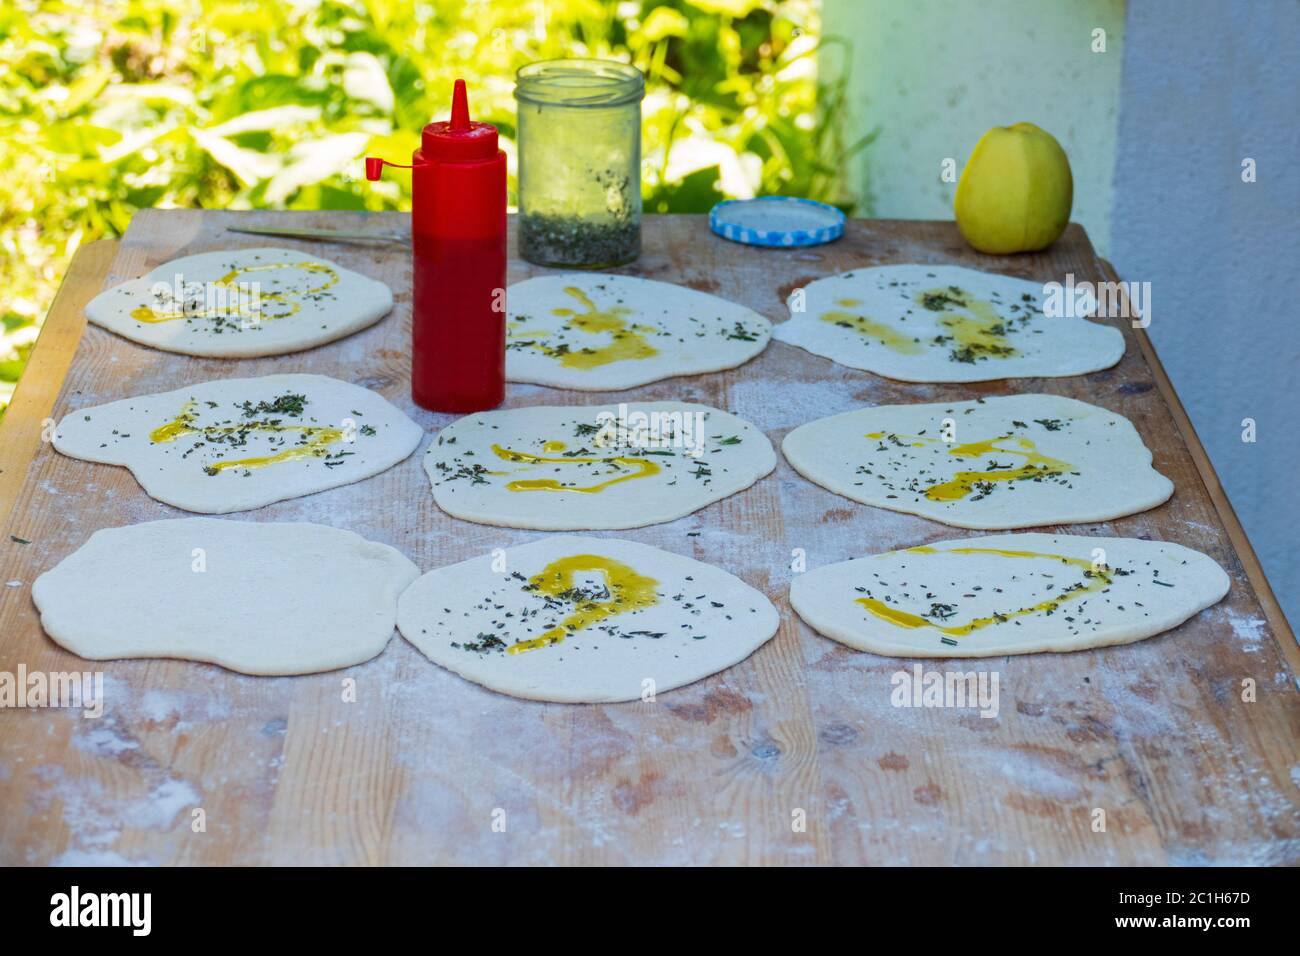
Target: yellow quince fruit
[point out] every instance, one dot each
(1016, 191)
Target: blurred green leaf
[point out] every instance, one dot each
(695, 191)
(108, 108)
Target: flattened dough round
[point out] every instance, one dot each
(589, 619)
(920, 323)
(599, 332)
(270, 598)
(305, 301)
(528, 467)
(1008, 594)
(239, 443)
(1017, 461)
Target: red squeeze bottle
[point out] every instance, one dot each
(458, 234)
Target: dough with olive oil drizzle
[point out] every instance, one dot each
(242, 303)
(584, 620)
(1008, 594)
(1015, 461)
(600, 332)
(919, 323)
(240, 443)
(255, 597)
(589, 467)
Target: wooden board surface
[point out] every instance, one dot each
(422, 764)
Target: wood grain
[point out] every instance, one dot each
(416, 770)
(43, 378)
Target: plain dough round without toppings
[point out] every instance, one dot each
(679, 620)
(1017, 461)
(600, 332)
(919, 323)
(1026, 592)
(485, 467)
(261, 598)
(330, 433)
(337, 303)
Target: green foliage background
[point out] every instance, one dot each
(109, 107)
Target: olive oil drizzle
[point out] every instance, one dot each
(1037, 465)
(626, 591)
(978, 330)
(642, 468)
(1095, 579)
(290, 300)
(627, 340)
(980, 333)
(886, 335)
(317, 440)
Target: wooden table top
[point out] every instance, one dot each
(424, 767)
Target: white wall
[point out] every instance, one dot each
(934, 75)
(1206, 84)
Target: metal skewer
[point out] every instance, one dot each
(329, 235)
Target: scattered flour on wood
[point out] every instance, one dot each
(794, 403)
(92, 858)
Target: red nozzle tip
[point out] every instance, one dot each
(374, 168)
(459, 107)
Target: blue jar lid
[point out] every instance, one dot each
(780, 221)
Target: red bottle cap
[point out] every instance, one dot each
(459, 139)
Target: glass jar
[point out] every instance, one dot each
(579, 142)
